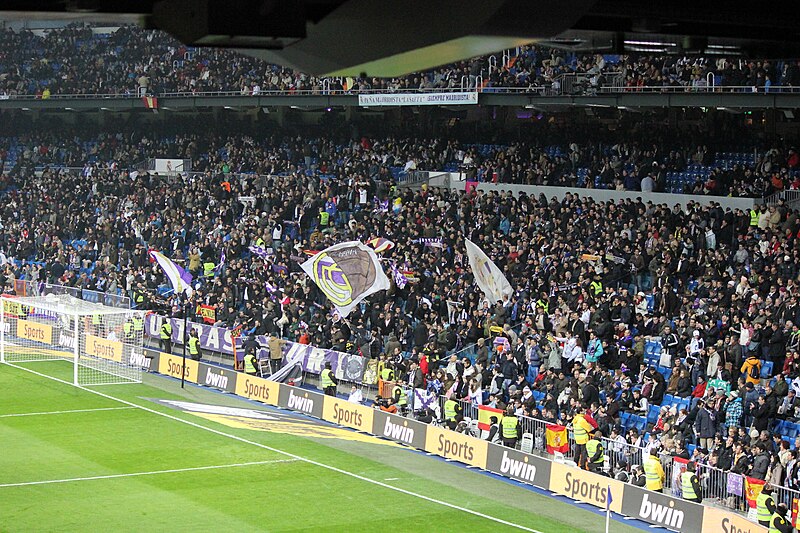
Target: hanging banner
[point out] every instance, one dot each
(735, 484)
(208, 313)
(454, 98)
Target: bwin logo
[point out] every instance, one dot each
(300, 404)
(216, 380)
(518, 469)
(663, 514)
(140, 360)
(398, 432)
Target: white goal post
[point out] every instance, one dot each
(102, 343)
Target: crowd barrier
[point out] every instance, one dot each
(651, 507)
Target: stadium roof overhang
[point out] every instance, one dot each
(350, 37)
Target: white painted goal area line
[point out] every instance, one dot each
(138, 474)
(292, 455)
(68, 411)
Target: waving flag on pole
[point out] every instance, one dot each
(218, 268)
(180, 279)
(489, 278)
(347, 273)
(381, 244)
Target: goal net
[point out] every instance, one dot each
(101, 343)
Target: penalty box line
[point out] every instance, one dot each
(293, 456)
(138, 474)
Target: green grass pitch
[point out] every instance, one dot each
(71, 460)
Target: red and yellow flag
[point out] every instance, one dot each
(485, 413)
(795, 507)
(556, 437)
(150, 102)
(752, 488)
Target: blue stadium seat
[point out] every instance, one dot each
(766, 369)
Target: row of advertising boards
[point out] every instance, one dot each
(629, 500)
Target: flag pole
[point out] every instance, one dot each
(185, 341)
(608, 508)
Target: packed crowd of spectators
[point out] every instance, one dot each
(131, 61)
(631, 156)
(593, 280)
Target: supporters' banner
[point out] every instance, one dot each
(489, 278)
(735, 484)
(485, 413)
(795, 509)
(180, 279)
(207, 312)
(556, 437)
(720, 384)
(347, 273)
(451, 98)
(348, 367)
(211, 338)
(590, 257)
(425, 400)
(678, 468)
(258, 251)
(433, 242)
(752, 488)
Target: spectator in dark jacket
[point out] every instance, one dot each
(760, 463)
(760, 414)
(705, 426)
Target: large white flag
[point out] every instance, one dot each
(347, 273)
(489, 278)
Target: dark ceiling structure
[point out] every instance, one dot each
(389, 38)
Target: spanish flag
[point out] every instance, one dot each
(556, 437)
(752, 488)
(150, 102)
(485, 413)
(795, 508)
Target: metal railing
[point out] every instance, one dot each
(791, 197)
(565, 85)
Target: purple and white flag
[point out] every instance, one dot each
(180, 279)
(259, 252)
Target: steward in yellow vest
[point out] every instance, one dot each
(327, 380)
(509, 427)
(595, 452)
(690, 485)
(653, 472)
(765, 506)
(778, 523)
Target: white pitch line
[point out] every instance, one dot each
(67, 411)
(292, 455)
(136, 474)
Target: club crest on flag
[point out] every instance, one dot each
(346, 273)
